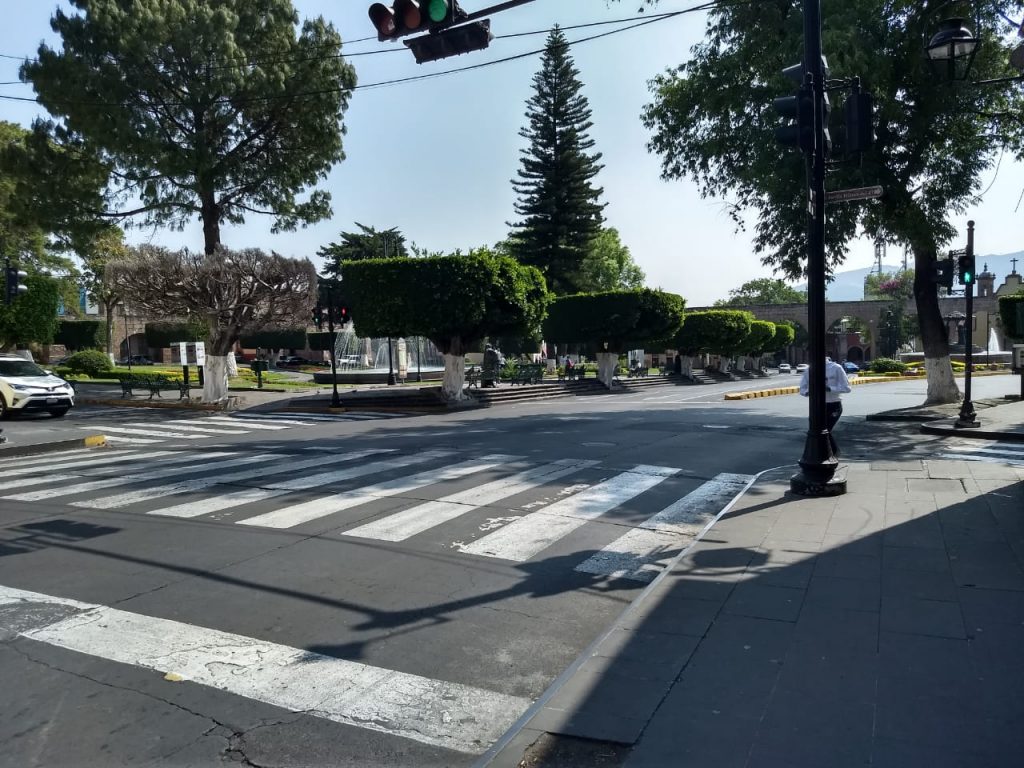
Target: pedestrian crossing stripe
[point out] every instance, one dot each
(453, 716)
(990, 452)
(145, 433)
(201, 482)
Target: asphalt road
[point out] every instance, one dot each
(391, 591)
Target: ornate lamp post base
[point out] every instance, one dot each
(820, 473)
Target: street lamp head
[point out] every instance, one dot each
(952, 49)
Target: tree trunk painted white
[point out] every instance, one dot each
(232, 365)
(942, 386)
(215, 379)
(606, 364)
(454, 382)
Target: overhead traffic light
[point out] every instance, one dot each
(318, 317)
(451, 42)
(13, 287)
(858, 114)
(944, 273)
(966, 268)
(407, 17)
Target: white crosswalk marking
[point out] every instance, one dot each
(23, 460)
(131, 476)
(61, 461)
(198, 484)
(271, 419)
(145, 432)
(195, 425)
(272, 490)
(289, 517)
(644, 552)
(117, 440)
(50, 477)
(998, 452)
(450, 715)
(422, 517)
(527, 536)
(249, 423)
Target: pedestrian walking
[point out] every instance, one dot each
(836, 385)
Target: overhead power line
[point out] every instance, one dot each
(648, 19)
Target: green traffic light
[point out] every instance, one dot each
(438, 10)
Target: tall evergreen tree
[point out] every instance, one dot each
(368, 243)
(558, 204)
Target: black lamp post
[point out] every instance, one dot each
(968, 418)
(127, 337)
(335, 399)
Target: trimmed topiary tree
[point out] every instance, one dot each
(455, 301)
(712, 332)
(758, 342)
(785, 335)
(615, 321)
(275, 338)
(162, 334)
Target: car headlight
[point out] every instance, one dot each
(20, 387)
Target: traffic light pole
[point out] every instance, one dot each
(968, 417)
(818, 465)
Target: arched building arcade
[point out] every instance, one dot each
(871, 314)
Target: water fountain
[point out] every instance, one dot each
(365, 360)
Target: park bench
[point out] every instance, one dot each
(640, 372)
(472, 377)
(576, 373)
(528, 374)
(153, 384)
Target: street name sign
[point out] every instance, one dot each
(860, 193)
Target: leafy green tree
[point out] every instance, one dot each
(897, 289)
(32, 318)
(368, 243)
(106, 246)
(614, 321)
(558, 204)
(233, 293)
(217, 109)
(711, 123)
(763, 290)
(455, 301)
(785, 335)
(609, 266)
(713, 332)
(759, 341)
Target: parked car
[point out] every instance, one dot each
(24, 386)
(291, 361)
(785, 368)
(850, 367)
(801, 368)
(135, 360)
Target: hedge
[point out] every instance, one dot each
(1011, 312)
(275, 338)
(79, 334)
(161, 334)
(90, 362)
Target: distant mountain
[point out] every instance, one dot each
(849, 286)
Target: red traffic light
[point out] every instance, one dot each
(409, 13)
(384, 20)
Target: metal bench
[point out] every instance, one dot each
(472, 377)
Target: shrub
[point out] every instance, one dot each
(887, 365)
(90, 362)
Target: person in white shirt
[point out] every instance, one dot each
(836, 385)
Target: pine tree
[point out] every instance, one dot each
(561, 215)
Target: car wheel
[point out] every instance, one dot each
(58, 412)
(5, 412)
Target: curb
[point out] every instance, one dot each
(853, 383)
(981, 434)
(494, 753)
(92, 441)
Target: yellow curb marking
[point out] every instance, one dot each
(95, 441)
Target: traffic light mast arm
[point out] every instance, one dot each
(493, 9)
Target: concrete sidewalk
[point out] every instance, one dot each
(884, 628)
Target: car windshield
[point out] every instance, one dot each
(20, 368)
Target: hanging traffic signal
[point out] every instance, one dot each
(451, 42)
(800, 110)
(858, 115)
(343, 316)
(943, 273)
(407, 17)
(13, 287)
(966, 269)
(318, 317)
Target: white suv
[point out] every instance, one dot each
(24, 386)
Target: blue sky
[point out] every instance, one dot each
(435, 158)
